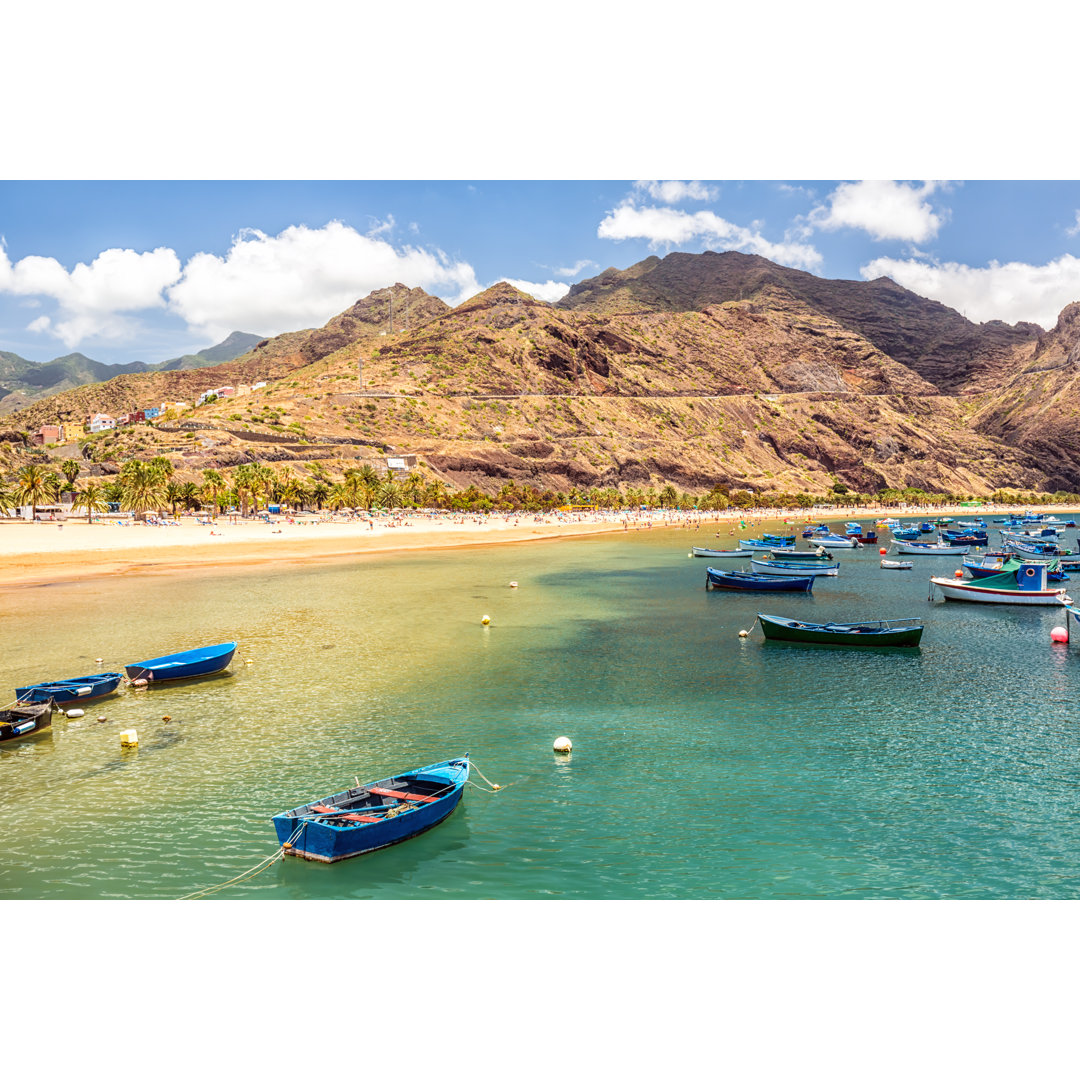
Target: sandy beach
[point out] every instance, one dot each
(43, 552)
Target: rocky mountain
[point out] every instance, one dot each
(23, 381)
(939, 344)
(694, 370)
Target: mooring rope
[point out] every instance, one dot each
(258, 868)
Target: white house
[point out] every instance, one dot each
(101, 422)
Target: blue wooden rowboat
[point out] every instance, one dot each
(374, 815)
(183, 665)
(26, 719)
(891, 633)
(65, 691)
(735, 579)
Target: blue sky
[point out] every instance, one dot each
(124, 270)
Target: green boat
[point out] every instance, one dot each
(883, 633)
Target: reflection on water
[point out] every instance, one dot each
(704, 765)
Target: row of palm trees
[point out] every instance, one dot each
(152, 486)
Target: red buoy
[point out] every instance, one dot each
(883, 551)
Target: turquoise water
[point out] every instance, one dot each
(704, 765)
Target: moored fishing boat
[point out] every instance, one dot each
(795, 567)
(883, 633)
(1027, 585)
(720, 553)
(191, 664)
(65, 691)
(20, 720)
(907, 547)
(743, 582)
(375, 815)
(896, 564)
(832, 540)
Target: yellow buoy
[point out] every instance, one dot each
(129, 737)
(485, 620)
(562, 745)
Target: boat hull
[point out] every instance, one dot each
(308, 833)
(720, 579)
(720, 553)
(22, 720)
(794, 569)
(67, 691)
(904, 547)
(192, 664)
(952, 589)
(861, 635)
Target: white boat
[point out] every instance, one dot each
(913, 547)
(794, 569)
(720, 553)
(1024, 586)
(833, 541)
(894, 564)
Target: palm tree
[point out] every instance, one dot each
(7, 499)
(265, 478)
(318, 493)
(36, 483)
(90, 498)
(70, 468)
(389, 492)
(173, 493)
(213, 486)
(244, 479)
(143, 486)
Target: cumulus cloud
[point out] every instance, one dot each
(91, 298)
(302, 277)
(1073, 229)
(673, 191)
(663, 226)
(885, 209)
(549, 291)
(1013, 292)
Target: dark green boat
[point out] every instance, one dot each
(884, 633)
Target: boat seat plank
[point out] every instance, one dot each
(358, 817)
(403, 795)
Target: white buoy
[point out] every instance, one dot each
(513, 584)
(72, 713)
(744, 633)
(138, 682)
(485, 620)
(562, 745)
(99, 661)
(130, 737)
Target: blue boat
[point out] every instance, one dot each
(734, 579)
(65, 691)
(374, 815)
(183, 665)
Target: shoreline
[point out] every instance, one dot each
(36, 554)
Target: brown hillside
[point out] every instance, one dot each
(939, 344)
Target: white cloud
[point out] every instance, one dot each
(887, 210)
(573, 271)
(302, 277)
(673, 191)
(1013, 292)
(549, 291)
(1072, 230)
(91, 298)
(662, 226)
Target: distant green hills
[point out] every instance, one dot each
(24, 381)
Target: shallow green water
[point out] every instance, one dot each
(704, 765)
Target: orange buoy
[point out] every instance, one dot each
(958, 574)
(1059, 634)
(883, 551)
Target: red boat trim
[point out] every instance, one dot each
(403, 795)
